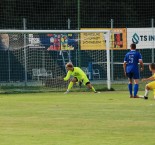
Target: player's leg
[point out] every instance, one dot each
(154, 93)
(136, 88)
(129, 75)
(80, 83)
(136, 84)
(148, 87)
(130, 87)
(73, 80)
(146, 91)
(89, 85)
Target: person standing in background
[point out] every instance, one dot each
(131, 69)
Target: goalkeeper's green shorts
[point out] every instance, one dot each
(85, 80)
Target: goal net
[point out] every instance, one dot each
(38, 57)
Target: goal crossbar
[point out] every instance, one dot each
(52, 31)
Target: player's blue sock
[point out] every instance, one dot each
(135, 89)
(130, 88)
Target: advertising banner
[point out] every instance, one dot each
(68, 41)
(11, 41)
(54, 41)
(50, 41)
(92, 41)
(118, 39)
(142, 37)
(97, 41)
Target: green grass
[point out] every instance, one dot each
(109, 118)
(10, 89)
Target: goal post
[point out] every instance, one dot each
(42, 59)
(108, 61)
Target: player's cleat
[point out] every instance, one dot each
(131, 96)
(97, 92)
(145, 97)
(136, 96)
(66, 92)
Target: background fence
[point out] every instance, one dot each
(64, 15)
(82, 13)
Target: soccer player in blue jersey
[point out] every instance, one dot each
(131, 69)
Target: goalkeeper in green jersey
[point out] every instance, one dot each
(78, 76)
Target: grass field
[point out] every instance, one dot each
(109, 118)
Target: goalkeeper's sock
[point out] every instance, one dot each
(93, 89)
(70, 86)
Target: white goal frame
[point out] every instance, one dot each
(69, 31)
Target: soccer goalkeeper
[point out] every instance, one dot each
(78, 76)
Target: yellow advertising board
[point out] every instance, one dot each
(92, 41)
(97, 41)
(118, 39)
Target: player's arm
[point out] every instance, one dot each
(148, 79)
(141, 64)
(125, 63)
(124, 67)
(67, 76)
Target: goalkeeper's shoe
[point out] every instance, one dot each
(97, 92)
(66, 92)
